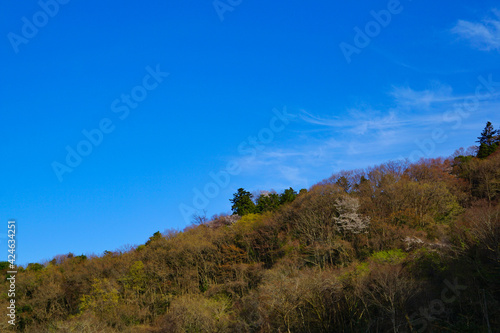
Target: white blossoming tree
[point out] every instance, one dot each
(348, 219)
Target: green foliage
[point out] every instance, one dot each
(135, 279)
(102, 300)
(34, 267)
(267, 202)
(488, 135)
(393, 257)
(461, 166)
(288, 195)
(428, 262)
(488, 141)
(242, 203)
(156, 236)
(486, 150)
(81, 258)
(248, 222)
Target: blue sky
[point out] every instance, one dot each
(253, 94)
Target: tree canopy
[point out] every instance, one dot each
(242, 202)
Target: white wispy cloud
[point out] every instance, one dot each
(322, 121)
(484, 35)
(408, 97)
(356, 137)
(409, 107)
(293, 175)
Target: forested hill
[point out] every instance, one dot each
(398, 247)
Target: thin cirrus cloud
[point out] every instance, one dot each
(484, 35)
(329, 143)
(411, 112)
(409, 108)
(423, 99)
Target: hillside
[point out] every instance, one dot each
(398, 247)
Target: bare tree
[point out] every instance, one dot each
(200, 218)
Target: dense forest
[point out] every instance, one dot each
(398, 247)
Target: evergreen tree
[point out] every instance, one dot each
(156, 236)
(488, 141)
(242, 203)
(288, 196)
(268, 202)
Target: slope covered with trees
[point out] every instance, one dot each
(399, 247)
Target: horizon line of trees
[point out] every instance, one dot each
(267, 201)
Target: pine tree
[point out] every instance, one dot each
(267, 202)
(488, 141)
(288, 195)
(242, 203)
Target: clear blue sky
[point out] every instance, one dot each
(397, 89)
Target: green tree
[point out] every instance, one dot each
(268, 202)
(288, 196)
(34, 267)
(136, 278)
(156, 236)
(488, 141)
(102, 300)
(242, 203)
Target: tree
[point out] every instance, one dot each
(200, 218)
(288, 196)
(488, 141)
(4, 265)
(349, 220)
(102, 300)
(194, 313)
(34, 267)
(156, 236)
(344, 183)
(242, 203)
(267, 202)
